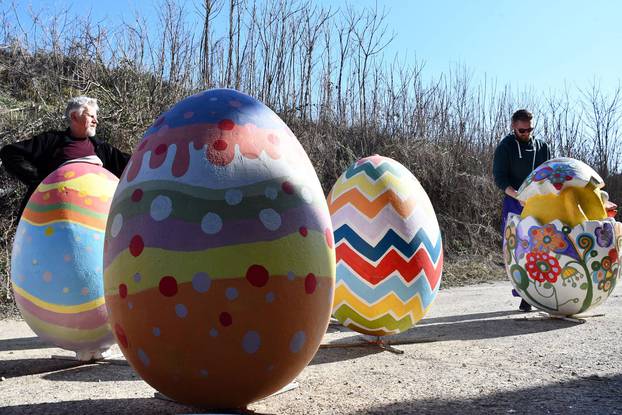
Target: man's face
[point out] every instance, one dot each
(522, 129)
(85, 124)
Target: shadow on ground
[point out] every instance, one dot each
(101, 406)
(99, 372)
(589, 395)
(23, 343)
(25, 367)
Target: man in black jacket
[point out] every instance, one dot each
(516, 156)
(30, 161)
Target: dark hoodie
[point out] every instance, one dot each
(514, 160)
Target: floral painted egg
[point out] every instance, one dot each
(219, 258)
(562, 252)
(56, 263)
(389, 249)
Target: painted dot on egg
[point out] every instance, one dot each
(161, 208)
(121, 337)
(257, 275)
(233, 196)
(49, 231)
(270, 297)
(291, 276)
(203, 373)
(143, 357)
(271, 192)
(201, 282)
(188, 115)
(231, 293)
(213, 332)
(69, 174)
(168, 286)
(328, 234)
(130, 305)
(156, 331)
(310, 283)
(303, 231)
(297, 342)
(35, 261)
(85, 291)
(270, 219)
(211, 223)
(65, 290)
(137, 277)
(251, 342)
(136, 245)
(306, 195)
(287, 187)
(88, 201)
(220, 145)
(117, 224)
(137, 195)
(235, 103)
(47, 276)
(122, 290)
(67, 258)
(181, 310)
(225, 319)
(226, 125)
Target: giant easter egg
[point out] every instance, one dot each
(219, 259)
(56, 263)
(388, 247)
(562, 252)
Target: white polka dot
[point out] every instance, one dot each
(143, 357)
(297, 342)
(161, 208)
(271, 192)
(270, 297)
(231, 293)
(270, 219)
(181, 310)
(306, 195)
(233, 196)
(251, 342)
(117, 224)
(211, 223)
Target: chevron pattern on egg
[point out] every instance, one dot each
(388, 248)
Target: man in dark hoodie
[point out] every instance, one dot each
(517, 155)
(30, 161)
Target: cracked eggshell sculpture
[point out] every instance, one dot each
(219, 259)
(562, 252)
(56, 263)
(388, 246)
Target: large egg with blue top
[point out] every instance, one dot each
(219, 259)
(57, 265)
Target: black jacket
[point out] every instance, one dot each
(514, 160)
(31, 161)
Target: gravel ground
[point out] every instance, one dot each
(473, 353)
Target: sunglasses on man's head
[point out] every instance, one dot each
(524, 130)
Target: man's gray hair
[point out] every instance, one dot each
(78, 104)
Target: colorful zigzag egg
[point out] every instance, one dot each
(388, 247)
(56, 264)
(219, 259)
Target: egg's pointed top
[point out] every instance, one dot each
(556, 175)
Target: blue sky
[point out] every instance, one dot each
(537, 45)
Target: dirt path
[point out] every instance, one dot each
(473, 354)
